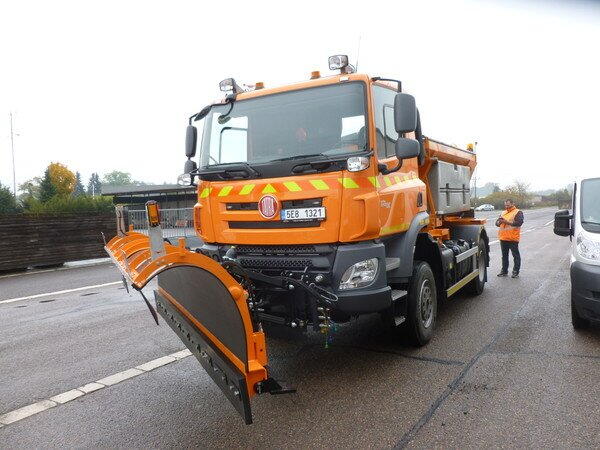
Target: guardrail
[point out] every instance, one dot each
(176, 222)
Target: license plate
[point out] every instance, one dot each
(303, 214)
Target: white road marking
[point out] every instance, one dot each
(151, 365)
(118, 377)
(68, 266)
(67, 396)
(26, 411)
(546, 224)
(90, 387)
(111, 380)
(66, 291)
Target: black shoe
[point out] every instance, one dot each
(515, 275)
(503, 274)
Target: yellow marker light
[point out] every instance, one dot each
(153, 213)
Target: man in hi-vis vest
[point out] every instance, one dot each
(509, 235)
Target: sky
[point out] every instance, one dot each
(102, 86)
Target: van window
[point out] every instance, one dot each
(590, 206)
(383, 104)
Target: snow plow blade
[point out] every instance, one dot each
(205, 306)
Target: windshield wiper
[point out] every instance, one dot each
(230, 170)
(591, 222)
(291, 158)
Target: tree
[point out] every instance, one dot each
(8, 202)
(47, 188)
(78, 191)
(62, 179)
(117, 178)
(30, 188)
(519, 192)
(94, 186)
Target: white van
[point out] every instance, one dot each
(583, 226)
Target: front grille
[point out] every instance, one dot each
(275, 263)
(286, 204)
(252, 206)
(276, 249)
(253, 225)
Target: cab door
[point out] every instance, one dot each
(399, 190)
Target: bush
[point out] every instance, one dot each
(79, 204)
(8, 203)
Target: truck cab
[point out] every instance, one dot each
(330, 181)
(582, 225)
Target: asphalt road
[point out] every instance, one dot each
(505, 369)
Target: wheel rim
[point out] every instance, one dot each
(426, 301)
(481, 265)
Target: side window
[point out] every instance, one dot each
(232, 145)
(383, 103)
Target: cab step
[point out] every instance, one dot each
(397, 294)
(391, 264)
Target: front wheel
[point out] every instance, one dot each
(422, 304)
(476, 285)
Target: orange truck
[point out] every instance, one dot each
(317, 202)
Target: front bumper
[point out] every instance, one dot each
(329, 261)
(585, 290)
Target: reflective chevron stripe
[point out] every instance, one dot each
(269, 189)
(247, 189)
(394, 228)
(348, 183)
(292, 186)
(319, 185)
(225, 190)
(374, 181)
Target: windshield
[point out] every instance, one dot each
(590, 205)
(328, 120)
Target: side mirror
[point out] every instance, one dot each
(191, 136)
(562, 223)
(188, 176)
(405, 113)
(190, 166)
(407, 148)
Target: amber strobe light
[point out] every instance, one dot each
(153, 214)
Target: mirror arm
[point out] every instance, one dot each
(384, 170)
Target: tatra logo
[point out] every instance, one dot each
(268, 206)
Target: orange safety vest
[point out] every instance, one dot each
(508, 232)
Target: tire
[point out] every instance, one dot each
(579, 323)
(421, 318)
(475, 287)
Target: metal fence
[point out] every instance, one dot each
(174, 222)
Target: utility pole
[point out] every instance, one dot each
(12, 146)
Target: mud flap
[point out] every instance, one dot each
(206, 307)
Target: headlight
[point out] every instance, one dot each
(360, 274)
(588, 249)
(357, 163)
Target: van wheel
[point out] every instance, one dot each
(476, 285)
(579, 323)
(422, 304)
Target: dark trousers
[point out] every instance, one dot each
(514, 248)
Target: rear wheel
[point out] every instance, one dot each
(422, 305)
(579, 323)
(476, 285)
